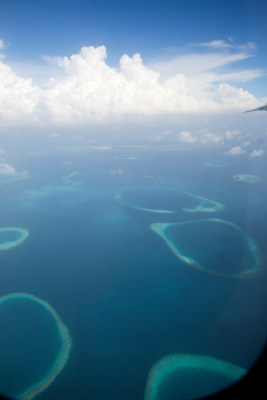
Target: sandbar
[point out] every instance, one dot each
(154, 210)
(10, 244)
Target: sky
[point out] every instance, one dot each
(78, 64)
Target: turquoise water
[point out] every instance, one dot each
(124, 296)
(9, 235)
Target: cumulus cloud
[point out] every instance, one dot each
(202, 137)
(186, 137)
(88, 90)
(6, 169)
(235, 151)
(257, 153)
(246, 143)
(156, 138)
(211, 138)
(232, 134)
(18, 97)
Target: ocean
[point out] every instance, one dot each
(124, 296)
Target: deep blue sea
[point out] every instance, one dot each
(124, 296)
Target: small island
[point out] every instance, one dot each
(247, 178)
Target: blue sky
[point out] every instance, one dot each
(63, 26)
(83, 62)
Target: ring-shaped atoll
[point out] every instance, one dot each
(212, 245)
(63, 352)
(165, 200)
(188, 376)
(247, 178)
(7, 243)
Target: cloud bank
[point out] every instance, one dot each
(89, 91)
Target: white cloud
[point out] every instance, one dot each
(201, 68)
(211, 138)
(216, 44)
(203, 136)
(89, 91)
(232, 134)
(156, 138)
(235, 151)
(186, 137)
(6, 169)
(257, 153)
(223, 44)
(18, 97)
(205, 68)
